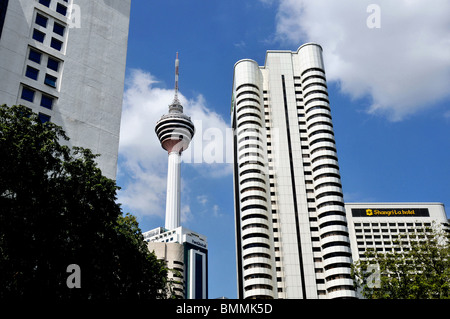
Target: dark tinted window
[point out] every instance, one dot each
(3, 7)
(35, 56)
(38, 35)
(44, 118)
(41, 20)
(58, 29)
(61, 9)
(32, 73)
(47, 101)
(53, 64)
(56, 44)
(45, 2)
(50, 80)
(27, 94)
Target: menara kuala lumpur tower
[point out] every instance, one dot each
(184, 251)
(175, 131)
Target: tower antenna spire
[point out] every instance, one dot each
(177, 64)
(176, 104)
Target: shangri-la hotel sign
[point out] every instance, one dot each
(389, 212)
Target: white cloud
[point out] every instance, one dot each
(202, 199)
(241, 44)
(447, 114)
(142, 161)
(185, 213)
(216, 211)
(403, 66)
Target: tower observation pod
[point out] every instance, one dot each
(175, 131)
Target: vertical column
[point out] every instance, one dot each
(329, 201)
(255, 231)
(173, 192)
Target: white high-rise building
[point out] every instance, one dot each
(65, 60)
(291, 228)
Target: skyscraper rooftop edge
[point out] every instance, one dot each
(394, 203)
(298, 49)
(277, 51)
(245, 60)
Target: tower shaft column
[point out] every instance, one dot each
(173, 191)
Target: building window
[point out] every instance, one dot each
(59, 29)
(38, 35)
(41, 20)
(50, 80)
(45, 2)
(3, 7)
(35, 56)
(47, 101)
(44, 118)
(27, 94)
(56, 44)
(61, 9)
(53, 64)
(32, 73)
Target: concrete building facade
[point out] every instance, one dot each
(173, 254)
(186, 255)
(65, 60)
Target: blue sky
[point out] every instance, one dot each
(389, 93)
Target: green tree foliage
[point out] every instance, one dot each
(420, 270)
(57, 209)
